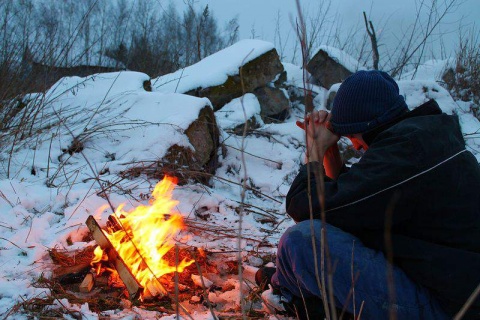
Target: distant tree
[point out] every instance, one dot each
(201, 34)
(140, 34)
(231, 31)
(373, 39)
(189, 26)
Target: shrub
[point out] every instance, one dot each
(464, 82)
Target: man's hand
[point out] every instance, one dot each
(322, 142)
(319, 135)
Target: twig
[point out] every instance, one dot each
(49, 158)
(319, 274)
(467, 304)
(205, 294)
(177, 311)
(267, 213)
(212, 229)
(255, 292)
(72, 226)
(353, 279)
(243, 193)
(361, 309)
(80, 203)
(389, 255)
(373, 39)
(251, 154)
(23, 251)
(7, 227)
(206, 174)
(2, 195)
(247, 187)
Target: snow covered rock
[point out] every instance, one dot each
(227, 74)
(203, 135)
(111, 120)
(240, 111)
(330, 65)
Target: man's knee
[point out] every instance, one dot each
(320, 230)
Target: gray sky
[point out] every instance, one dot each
(390, 17)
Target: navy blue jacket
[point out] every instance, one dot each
(417, 178)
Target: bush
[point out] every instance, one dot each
(464, 82)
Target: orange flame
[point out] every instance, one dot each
(150, 235)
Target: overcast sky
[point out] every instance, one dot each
(390, 17)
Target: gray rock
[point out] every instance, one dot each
(256, 73)
(326, 70)
(274, 104)
(251, 124)
(331, 96)
(186, 164)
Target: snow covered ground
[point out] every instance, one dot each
(46, 193)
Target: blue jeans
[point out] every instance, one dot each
(295, 275)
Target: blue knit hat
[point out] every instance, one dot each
(365, 100)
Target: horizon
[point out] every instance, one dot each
(390, 18)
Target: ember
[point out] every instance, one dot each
(141, 238)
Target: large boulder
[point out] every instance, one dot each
(256, 73)
(274, 104)
(114, 122)
(192, 163)
(330, 65)
(227, 74)
(240, 112)
(332, 92)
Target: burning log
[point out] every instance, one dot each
(135, 242)
(87, 283)
(133, 287)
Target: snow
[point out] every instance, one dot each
(228, 117)
(214, 69)
(417, 92)
(430, 70)
(201, 281)
(424, 84)
(119, 123)
(295, 74)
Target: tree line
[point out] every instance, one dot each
(150, 36)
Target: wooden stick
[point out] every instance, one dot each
(133, 287)
(87, 283)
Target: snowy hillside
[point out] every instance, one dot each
(91, 130)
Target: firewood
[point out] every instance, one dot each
(133, 287)
(87, 283)
(71, 274)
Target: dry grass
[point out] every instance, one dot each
(109, 293)
(464, 81)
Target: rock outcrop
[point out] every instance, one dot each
(255, 74)
(330, 65)
(185, 163)
(248, 66)
(274, 104)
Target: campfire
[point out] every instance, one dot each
(135, 242)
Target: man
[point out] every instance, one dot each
(413, 199)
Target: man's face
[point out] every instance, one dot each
(357, 141)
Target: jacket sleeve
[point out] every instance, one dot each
(361, 197)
